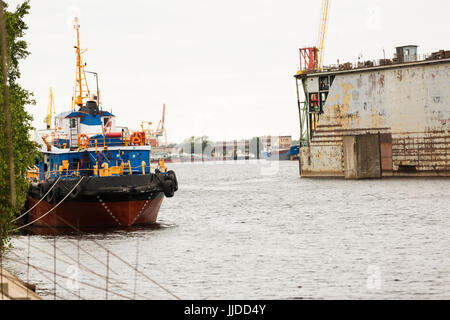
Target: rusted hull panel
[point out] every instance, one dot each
(408, 107)
(386, 152)
(403, 156)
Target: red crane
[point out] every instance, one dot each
(311, 58)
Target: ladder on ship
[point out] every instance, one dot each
(73, 134)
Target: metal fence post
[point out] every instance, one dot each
(107, 273)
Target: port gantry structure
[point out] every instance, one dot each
(161, 129)
(311, 60)
(50, 111)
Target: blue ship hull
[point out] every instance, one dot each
(282, 155)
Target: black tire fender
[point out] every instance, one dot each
(76, 192)
(50, 196)
(173, 177)
(168, 188)
(41, 190)
(53, 195)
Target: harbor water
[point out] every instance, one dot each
(256, 230)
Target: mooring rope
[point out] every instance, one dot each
(89, 284)
(48, 212)
(100, 245)
(43, 197)
(118, 257)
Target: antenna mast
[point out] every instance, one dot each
(81, 87)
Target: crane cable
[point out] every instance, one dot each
(48, 212)
(43, 197)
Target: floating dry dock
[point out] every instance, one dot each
(376, 118)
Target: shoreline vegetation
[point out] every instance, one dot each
(16, 149)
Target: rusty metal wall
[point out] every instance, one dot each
(409, 107)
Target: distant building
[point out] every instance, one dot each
(163, 150)
(276, 142)
(266, 142)
(227, 148)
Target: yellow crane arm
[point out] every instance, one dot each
(50, 110)
(323, 32)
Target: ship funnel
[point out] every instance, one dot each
(91, 107)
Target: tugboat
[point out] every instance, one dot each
(93, 173)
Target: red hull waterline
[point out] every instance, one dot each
(96, 214)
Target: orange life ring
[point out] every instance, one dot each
(136, 139)
(83, 141)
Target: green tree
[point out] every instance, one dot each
(202, 143)
(24, 150)
(254, 145)
(194, 145)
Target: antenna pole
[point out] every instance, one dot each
(96, 80)
(80, 74)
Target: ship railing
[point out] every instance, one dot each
(114, 170)
(363, 64)
(61, 140)
(92, 144)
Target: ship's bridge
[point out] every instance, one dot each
(89, 120)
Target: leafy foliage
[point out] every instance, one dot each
(199, 145)
(195, 145)
(24, 149)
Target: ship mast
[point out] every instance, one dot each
(81, 90)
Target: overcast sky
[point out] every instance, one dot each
(224, 68)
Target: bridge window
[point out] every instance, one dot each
(323, 100)
(324, 83)
(314, 102)
(332, 80)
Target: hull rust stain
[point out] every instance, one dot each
(408, 107)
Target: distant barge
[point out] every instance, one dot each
(375, 118)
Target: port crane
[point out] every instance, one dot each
(311, 60)
(152, 136)
(160, 128)
(50, 110)
(323, 32)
